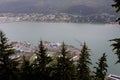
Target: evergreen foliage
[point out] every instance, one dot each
(64, 69)
(8, 70)
(41, 64)
(116, 44)
(117, 6)
(116, 48)
(83, 64)
(101, 69)
(26, 70)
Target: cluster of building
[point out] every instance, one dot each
(57, 17)
(26, 49)
(54, 47)
(23, 47)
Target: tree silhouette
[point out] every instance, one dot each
(8, 70)
(83, 64)
(116, 44)
(41, 64)
(101, 69)
(26, 70)
(116, 48)
(64, 69)
(117, 6)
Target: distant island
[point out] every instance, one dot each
(57, 17)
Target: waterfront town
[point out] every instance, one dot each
(26, 49)
(57, 17)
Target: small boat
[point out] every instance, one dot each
(114, 77)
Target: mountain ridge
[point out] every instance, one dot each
(84, 7)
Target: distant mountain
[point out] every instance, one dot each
(84, 7)
(24, 8)
(81, 9)
(86, 10)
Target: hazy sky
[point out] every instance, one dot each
(58, 3)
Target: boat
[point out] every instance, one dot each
(114, 77)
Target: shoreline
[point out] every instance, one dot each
(52, 48)
(56, 22)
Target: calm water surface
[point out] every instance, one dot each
(96, 36)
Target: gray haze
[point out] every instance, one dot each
(59, 3)
(51, 5)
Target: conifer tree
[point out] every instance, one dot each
(101, 69)
(83, 64)
(26, 70)
(64, 69)
(117, 6)
(116, 44)
(116, 48)
(41, 66)
(8, 70)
